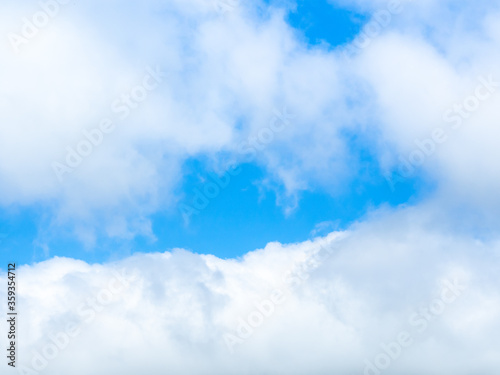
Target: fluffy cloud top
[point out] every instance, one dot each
(323, 306)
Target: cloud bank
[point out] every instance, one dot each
(337, 304)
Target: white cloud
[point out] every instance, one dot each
(224, 75)
(176, 308)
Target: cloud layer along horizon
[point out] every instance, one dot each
(333, 310)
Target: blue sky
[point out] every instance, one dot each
(241, 218)
(247, 214)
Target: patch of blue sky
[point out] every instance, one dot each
(245, 215)
(322, 21)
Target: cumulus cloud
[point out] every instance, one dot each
(224, 75)
(330, 305)
(223, 78)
